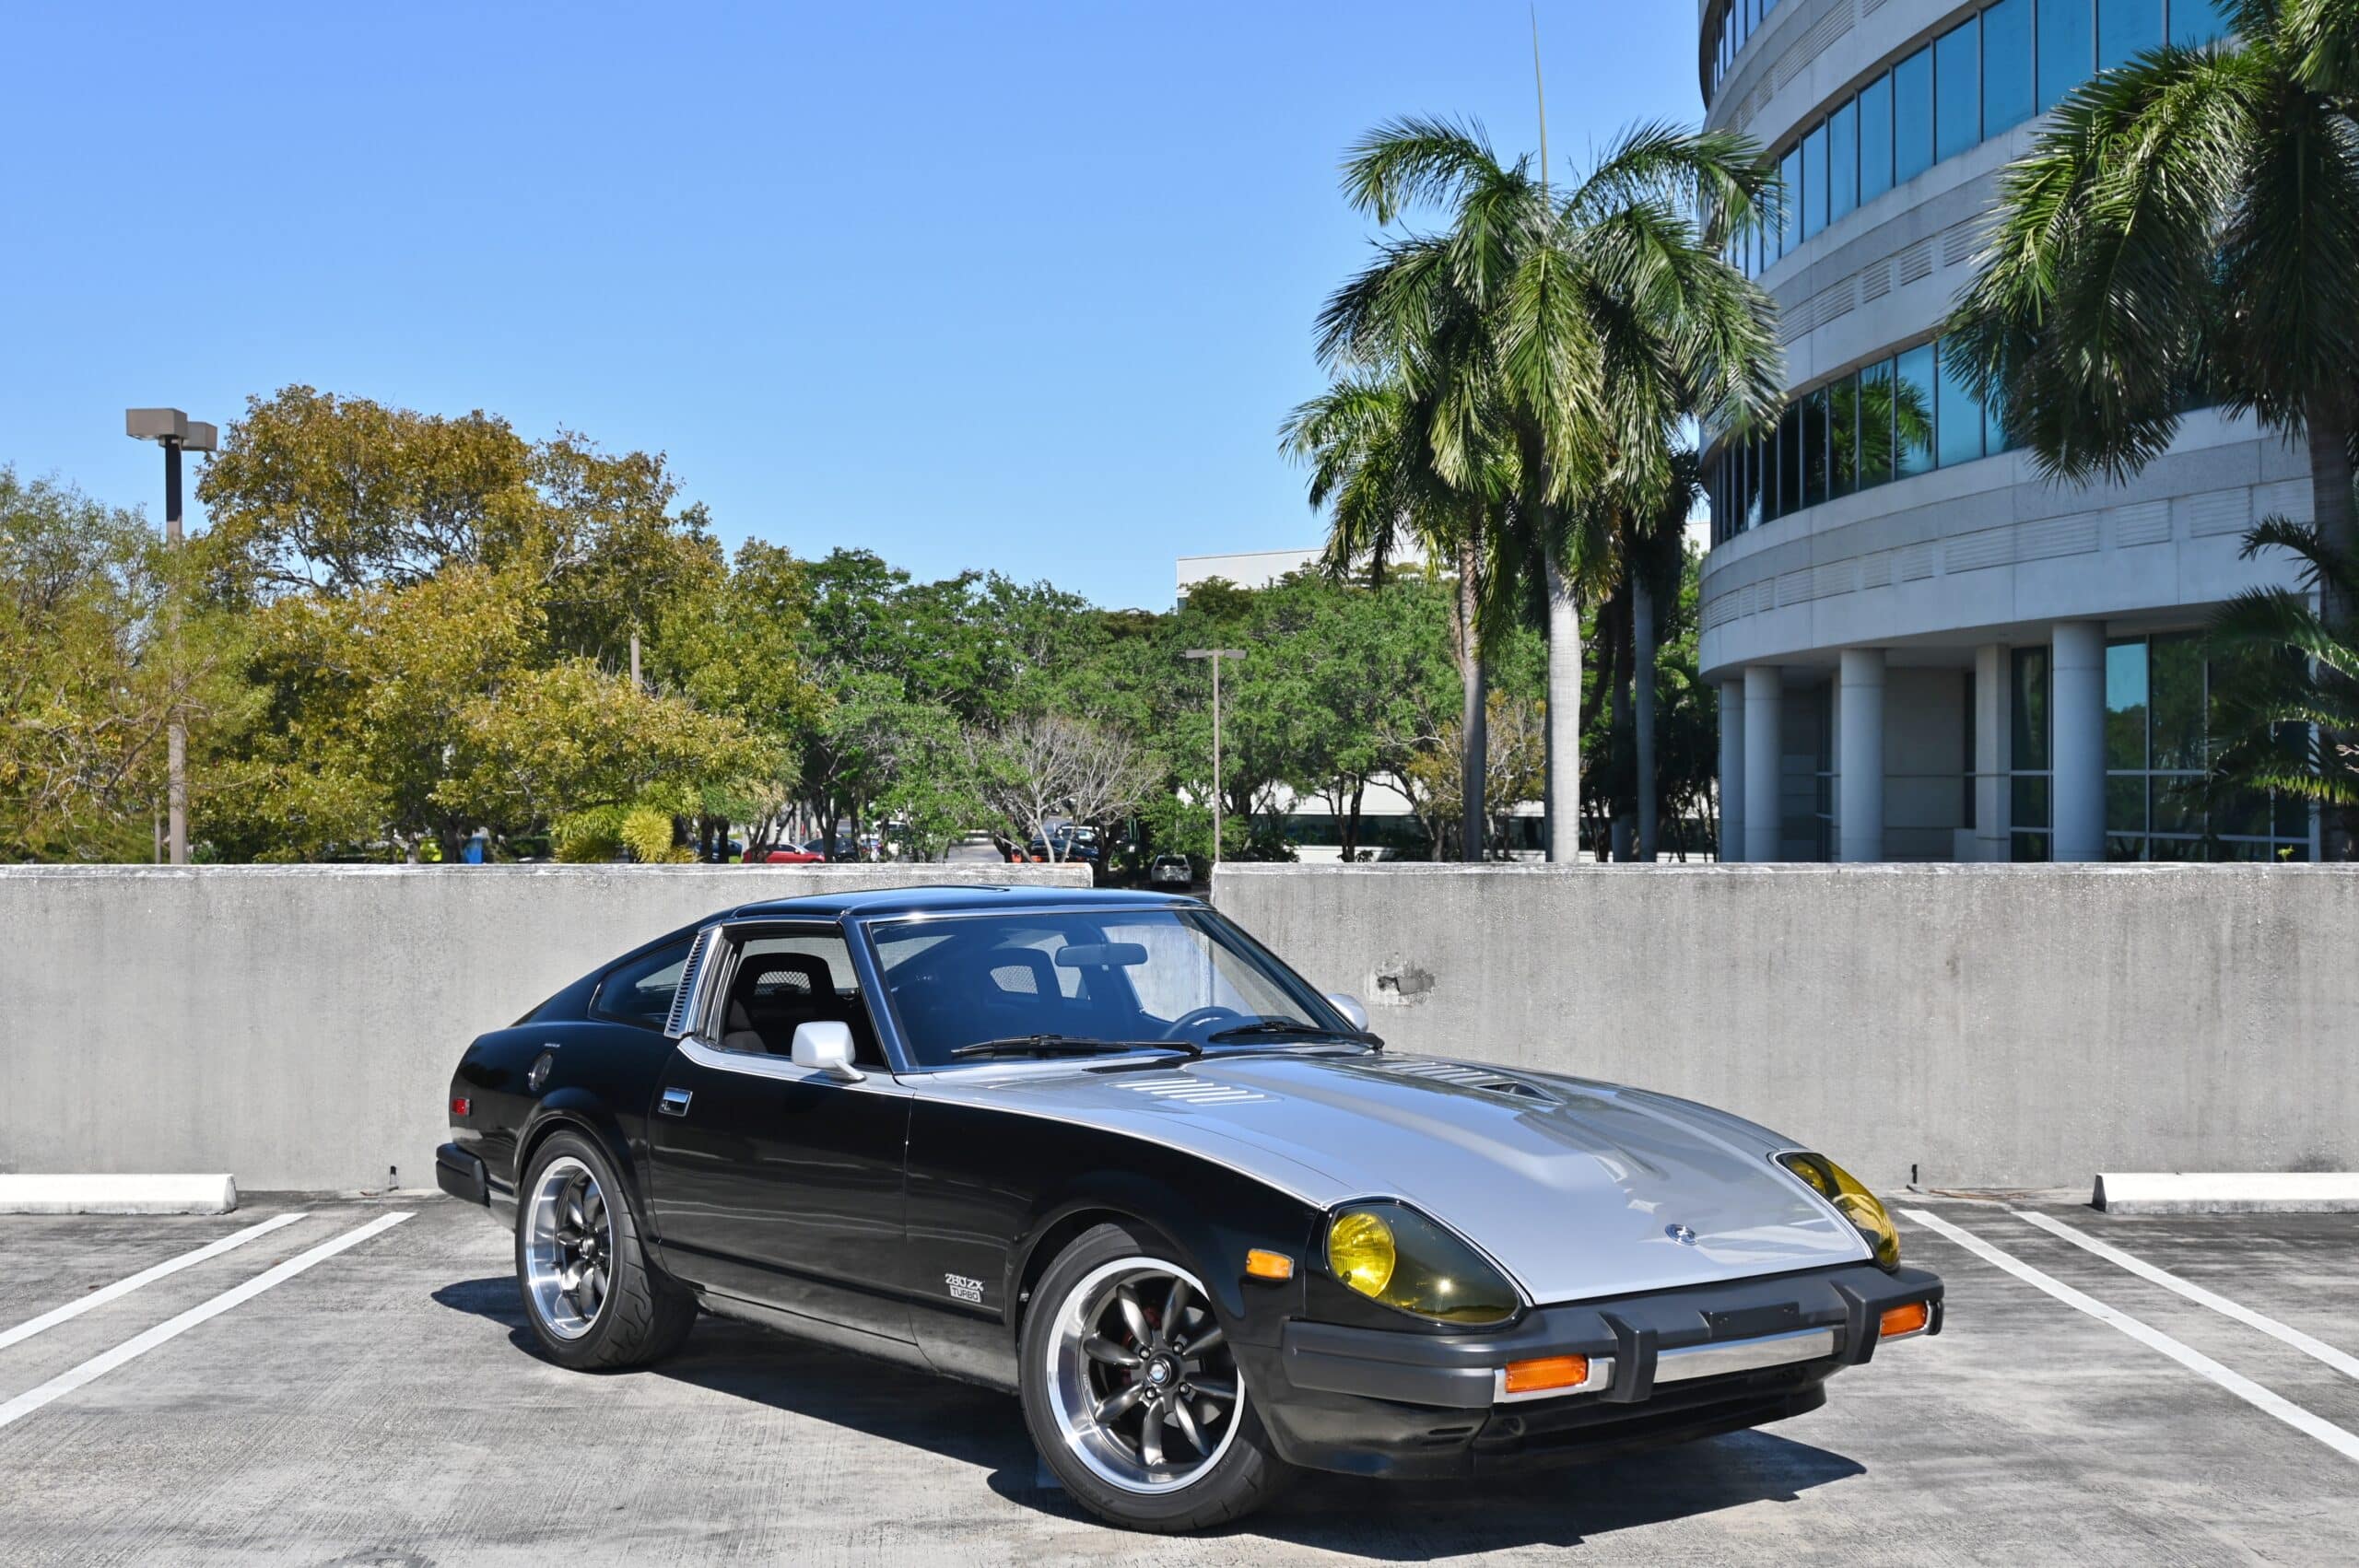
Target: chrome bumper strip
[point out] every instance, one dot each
(1744, 1355)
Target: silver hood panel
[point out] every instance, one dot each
(1572, 1186)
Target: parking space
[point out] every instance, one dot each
(354, 1384)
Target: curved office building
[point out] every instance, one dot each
(1925, 651)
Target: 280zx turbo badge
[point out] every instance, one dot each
(964, 1289)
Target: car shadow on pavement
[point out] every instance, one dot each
(1390, 1521)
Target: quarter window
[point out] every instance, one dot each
(641, 991)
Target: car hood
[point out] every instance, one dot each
(1578, 1189)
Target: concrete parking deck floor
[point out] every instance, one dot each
(382, 1406)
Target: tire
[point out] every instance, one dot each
(592, 1299)
(1084, 1349)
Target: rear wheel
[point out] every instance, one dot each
(591, 1297)
(1134, 1395)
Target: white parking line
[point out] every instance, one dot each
(105, 1362)
(2194, 1360)
(124, 1287)
(2346, 1364)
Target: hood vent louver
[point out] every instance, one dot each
(1468, 1077)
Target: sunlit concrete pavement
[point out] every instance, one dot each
(382, 1407)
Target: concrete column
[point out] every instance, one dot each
(1732, 770)
(1763, 764)
(1991, 669)
(1859, 698)
(2077, 713)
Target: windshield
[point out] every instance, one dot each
(1124, 976)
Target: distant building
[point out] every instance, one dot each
(1260, 568)
(1925, 652)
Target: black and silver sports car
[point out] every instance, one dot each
(1104, 1150)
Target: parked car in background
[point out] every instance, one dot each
(1171, 871)
(787, 855)
(1069, 843)
(1105, 1151)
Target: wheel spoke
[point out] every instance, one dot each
(1097, 1347)
(1212, 1388)
(1205, 1342)
(573, 1214)
(594, 1285)
(1175, 1306)
(1112, 1407)
(1134, 1315)
(1180, 1413)
(594, 1209)
(1151, 1437)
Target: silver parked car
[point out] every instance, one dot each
(1171, 871)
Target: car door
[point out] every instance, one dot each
(769, 1182)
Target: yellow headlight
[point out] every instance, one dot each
(1851, 1200)
(1360, 1251)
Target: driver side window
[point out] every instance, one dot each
(781, 977)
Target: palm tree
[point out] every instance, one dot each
(2187, 231)
(1577, 332)
(1655, 553)
(1370, 445)
(2286, 682)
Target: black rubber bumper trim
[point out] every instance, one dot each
(461, 1175)
(1455, 1371)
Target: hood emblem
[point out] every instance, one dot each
(1681, 1234)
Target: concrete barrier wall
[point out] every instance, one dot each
(297, 1026)
(1986, 1025)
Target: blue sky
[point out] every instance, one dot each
(1022, 287)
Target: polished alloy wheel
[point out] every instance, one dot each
(569, 1248)
(1145, 1390)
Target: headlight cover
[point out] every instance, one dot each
(1853, 1201)
(1392, 1253)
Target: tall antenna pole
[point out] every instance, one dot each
(1540, 88)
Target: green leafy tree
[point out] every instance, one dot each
(2286, 682)
(2187, 230)
(91, 668)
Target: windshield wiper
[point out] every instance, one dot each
(1295, 1027)
(1069, 1045)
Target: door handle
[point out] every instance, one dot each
(675, 1102)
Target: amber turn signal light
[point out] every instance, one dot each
(1264, 1265)
(1909, 1319)
(1547, 1372)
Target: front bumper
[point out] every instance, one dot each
(1684, 1363)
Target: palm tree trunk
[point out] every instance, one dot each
(2330, 432)
(1642, 637)
(1473, 729)
(1564, 720)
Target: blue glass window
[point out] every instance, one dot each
(1912, 116)
(1815, 183)
(1875, 138)
(1843, 163)
(2007, 66)
(1789, 175)
(1875, 424)
(1957, 420)
(2068, 50)
(2127, 28)
(2195, 23)
(1813, 440)
(1789, 462)
(1913, 412)
(1957, 89)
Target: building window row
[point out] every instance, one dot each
(1984, 77)
(1898, 418)
(1739, 21)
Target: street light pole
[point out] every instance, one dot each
(1218, 656)
(176, 432)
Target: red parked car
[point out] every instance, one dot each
(784, 855)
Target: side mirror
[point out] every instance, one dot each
(826, 1046)
(1353, 1009)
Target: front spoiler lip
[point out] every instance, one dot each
(1460, 1371)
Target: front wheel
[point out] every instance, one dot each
(1135, 1396)
(594, 1301)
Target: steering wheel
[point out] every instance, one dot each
(1196, 1015)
